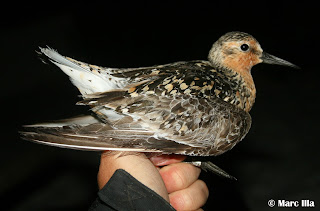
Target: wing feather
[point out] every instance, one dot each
(100, 136)
(212, 125)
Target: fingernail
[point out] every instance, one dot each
(159, 160)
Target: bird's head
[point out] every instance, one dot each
(240, 51)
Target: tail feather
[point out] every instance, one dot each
(87, 78)
(58, 59)
(97, 136)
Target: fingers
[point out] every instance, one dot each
(180, 180)
(163, 160)
(186, 192)
(179, 176)
(191, 198)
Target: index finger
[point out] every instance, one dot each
(163, 160)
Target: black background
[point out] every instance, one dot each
(277, 160)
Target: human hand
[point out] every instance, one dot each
(176, 182)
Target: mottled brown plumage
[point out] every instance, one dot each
(197, 108)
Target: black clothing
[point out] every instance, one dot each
(124, 192)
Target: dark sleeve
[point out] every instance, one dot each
(124, 192)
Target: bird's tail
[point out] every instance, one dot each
(87, 78)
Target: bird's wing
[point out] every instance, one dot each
(154, 124)
(88, 133)
(203, 126)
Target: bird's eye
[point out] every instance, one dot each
(244, 47)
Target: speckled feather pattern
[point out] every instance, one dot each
(197, 108)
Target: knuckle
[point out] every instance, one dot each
(189, 201)
(191, 198)
(179, 178)
(204, 188)
(183, 201)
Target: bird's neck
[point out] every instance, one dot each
(247, 89)
(250, 89)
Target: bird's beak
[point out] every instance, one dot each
(270, 59)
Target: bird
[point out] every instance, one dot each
(193, 108)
